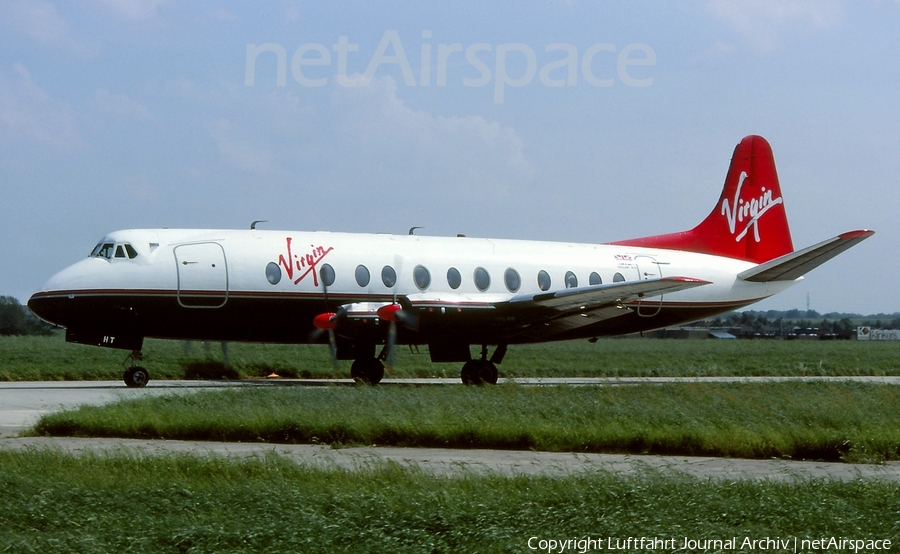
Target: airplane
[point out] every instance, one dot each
(356, 292)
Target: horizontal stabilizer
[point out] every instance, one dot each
(796, 264)
(599, 295)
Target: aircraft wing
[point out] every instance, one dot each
(544, 315)
(597, 296)
(796, 264)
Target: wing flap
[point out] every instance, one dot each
(587, 298)
(576, 320)
(796, 264)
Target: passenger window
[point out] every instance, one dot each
(422, 277)
(454, 279)
(512, 280)
(595, 279)
(482, 279)
(388, 276)
(132, 253)
(362, 275)
(326, 272)
(543, 280)
(273, 273)
(571, 280)
(618, 278)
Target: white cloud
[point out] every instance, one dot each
(140, 186)
(121, 106)
(133, 9)
(445, 155)
(36, 19)
(761, 22)
(29, 114)
(224, 15)
(240, 153)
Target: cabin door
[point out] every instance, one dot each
(202, 275)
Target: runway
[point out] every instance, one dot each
(22, 403)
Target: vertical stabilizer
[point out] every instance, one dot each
(749, 221)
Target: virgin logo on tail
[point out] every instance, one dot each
(749, 211)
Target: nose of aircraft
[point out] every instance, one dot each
(50, 304)
(39, 305)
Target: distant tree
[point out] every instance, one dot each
(16, 319)
(844, 327)
(12, 317)
(779, 324)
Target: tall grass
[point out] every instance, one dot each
(88, 503)
(827, 421)
(51, 358)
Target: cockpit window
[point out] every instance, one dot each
(108, 250)
(104, 250)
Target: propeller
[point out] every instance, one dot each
(394, 313)
(389, 313)
(328, 322)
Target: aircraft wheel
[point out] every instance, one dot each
(487, 372)
(469, 373)
(367, 371)
(136, 377)
(356, 370)
(479, 372)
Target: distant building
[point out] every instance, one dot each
(867, 333)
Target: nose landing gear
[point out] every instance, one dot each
(135, 376)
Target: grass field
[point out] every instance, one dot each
(54, 502)
(824, 421)
(61, 503)
(51, 358)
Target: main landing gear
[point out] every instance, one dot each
(135, 376)
(483, 370)
(479, 372)
(367, 371)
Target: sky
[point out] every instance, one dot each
(568, 120)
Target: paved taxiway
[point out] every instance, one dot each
(21, 404)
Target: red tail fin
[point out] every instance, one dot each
(749, 221)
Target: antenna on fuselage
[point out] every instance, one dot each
(253, 225)
(413, 229)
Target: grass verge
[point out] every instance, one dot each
(55, 502)
(51, 358)
(826, 421)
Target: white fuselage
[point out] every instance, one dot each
(255, 280)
